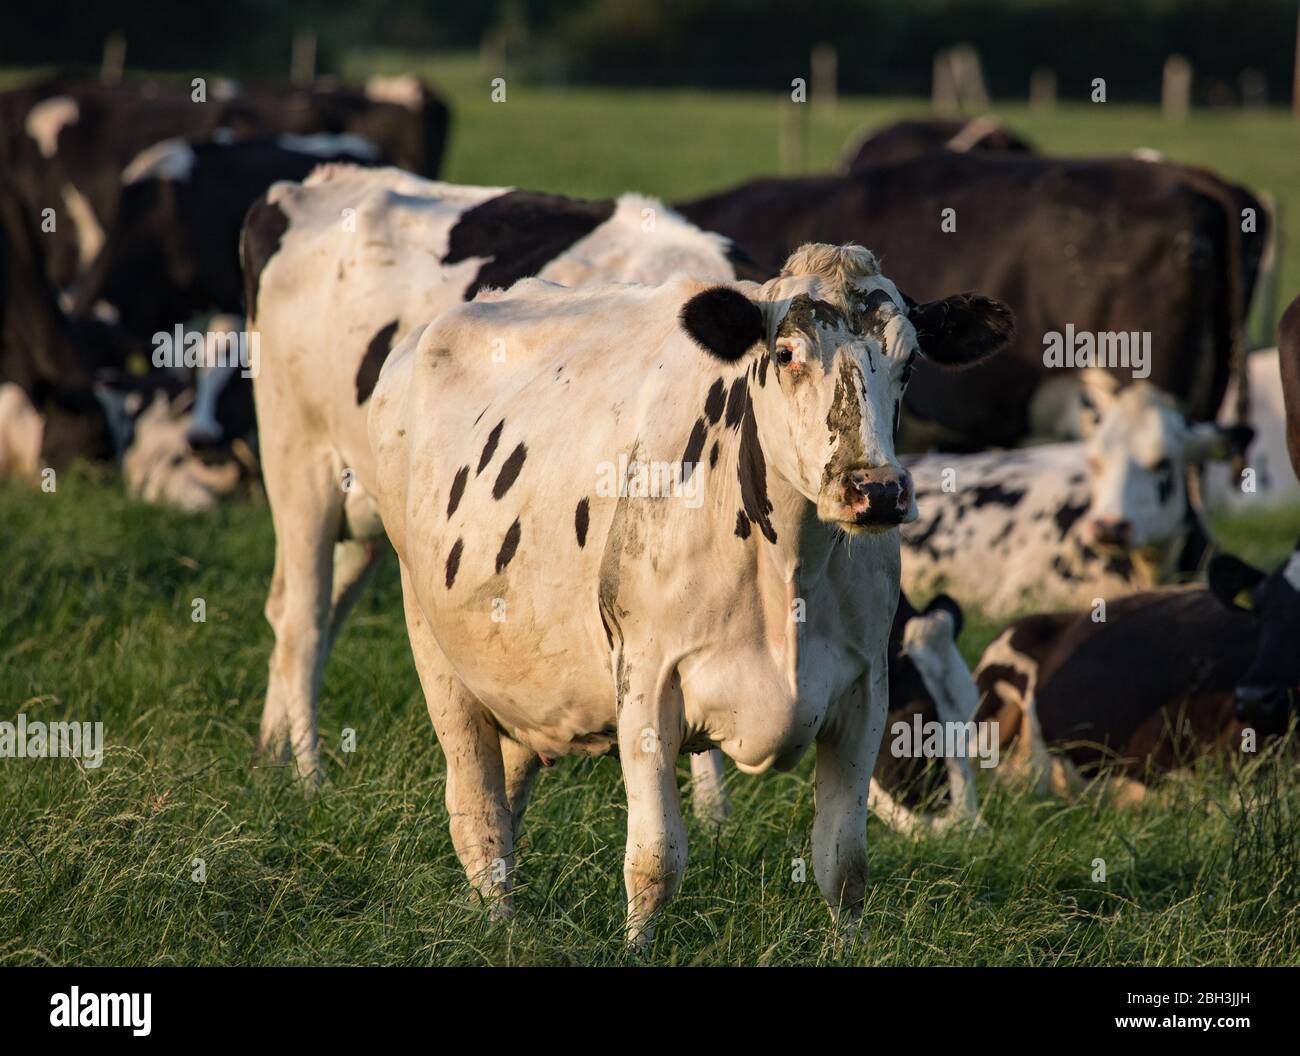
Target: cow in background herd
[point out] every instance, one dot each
(122, 207)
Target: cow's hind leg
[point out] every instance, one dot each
(846, 756)
(355, 564)
(478, 809)
(306, 503)
(708, 793)
(521, 764)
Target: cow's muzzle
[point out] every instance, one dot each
(876, 496)
(1262, 706)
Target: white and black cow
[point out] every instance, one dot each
(172, 251)
(1265, 478)
(1065, 524)
(339, 269)
(550, 615)
(65, 143)
(1169, 676)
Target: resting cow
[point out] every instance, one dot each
(555, 611)
(1112, 248)
(1168, 676)
(328, 301)
(1060, 525)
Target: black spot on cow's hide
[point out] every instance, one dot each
(715, 401)
(751, 468)
(581, 519)
(457, 489)
(713, 455)
(264, 227)
(1067, 515)
(508, 546)
(1062, 568)
(376, 352)
(509, 471)
(762, 370)
(694, 448)
(519, 233)
(995, 495)
(736, 401)
(490, 448)
(742, 524)
(1119, 565)
(453, 561)
(921, 539)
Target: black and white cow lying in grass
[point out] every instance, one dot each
(1061, 525)
(551, 616)
(339, 269)
(1169, 676)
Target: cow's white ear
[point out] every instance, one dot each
(1208, 440)
(723, 322)
(961, 330)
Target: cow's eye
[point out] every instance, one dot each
(784, 355)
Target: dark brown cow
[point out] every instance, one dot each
(916, 136)
(1167, 676)
(1107, 245)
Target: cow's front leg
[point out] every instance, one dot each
(846, 756)
(649, 737)
(478, 810)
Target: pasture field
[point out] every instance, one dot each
(97, 866)
(180, 850)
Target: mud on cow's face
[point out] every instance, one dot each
(1139, 452)
(835, 343)
(1272, 683)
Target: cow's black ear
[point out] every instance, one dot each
(963, 329)
(723, 322)
(944, 603)
(1229, 576)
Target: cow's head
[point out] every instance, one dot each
(1140, 450)
(159, 467)
(834, 343)
(1273, 680)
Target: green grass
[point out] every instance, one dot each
(96, 865)
(95, 625)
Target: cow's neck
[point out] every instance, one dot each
(791, 546)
